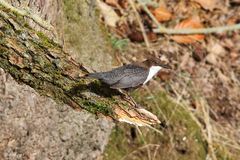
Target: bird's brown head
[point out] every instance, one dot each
(155, 62)
(165, 71)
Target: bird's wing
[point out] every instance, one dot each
(129, 81)
(114, 76)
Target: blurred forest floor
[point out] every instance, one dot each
(198, 103)
(205, 83)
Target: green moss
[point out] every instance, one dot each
(43, 72)
(7, 29)
(46, 42)
(97, 107)
(19, 19)
(12, 70)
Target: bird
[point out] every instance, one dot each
(130, 75)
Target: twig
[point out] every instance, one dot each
(140, 23)
(161, 29)
(150, 3)
(140, 148)
(205, 111)
(155, 152)
(208, 135)
(227, 144)
(197, 31)
(155, 129)
(142, 136)
(150, 14)
(177, 102)
(156, 103)
(27, 13)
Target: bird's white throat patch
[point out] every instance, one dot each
(152, 72)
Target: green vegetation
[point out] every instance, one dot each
(97, 108)
(46, 42)
(119, 44)
(181, 137)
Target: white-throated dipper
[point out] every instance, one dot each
(130, 75)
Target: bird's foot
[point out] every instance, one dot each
(130, 100)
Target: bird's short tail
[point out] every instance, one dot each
(94, 75)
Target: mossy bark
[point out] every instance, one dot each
(32, 58)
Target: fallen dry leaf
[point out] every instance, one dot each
(113, 3)
(123, 3)
(152, 37)
(161, 13)
(110, 16)
(233, 20)
(212, 59)
(216, 51)
(199, 52)
(193, 22)
(234, 55)
(137, 36)
(207, 4)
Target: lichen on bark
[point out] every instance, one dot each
(34, 59)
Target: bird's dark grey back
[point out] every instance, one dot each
(114, 76)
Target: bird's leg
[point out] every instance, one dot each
(128, 98)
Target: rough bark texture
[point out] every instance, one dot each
(33, 126)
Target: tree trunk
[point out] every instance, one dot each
(33, 126)
(32, 58)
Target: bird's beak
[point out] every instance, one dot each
(166, 67)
